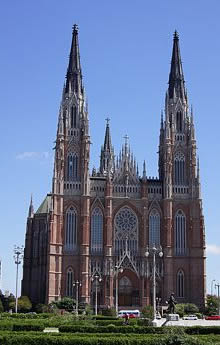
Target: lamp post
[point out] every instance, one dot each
(153, 251)
(117, 269)
(217, 286)
(213, 280)
(76, 285)
(97, 279)
(18, 256)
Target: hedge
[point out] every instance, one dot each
(49, 339)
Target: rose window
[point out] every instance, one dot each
(126, 230)
(126, 220)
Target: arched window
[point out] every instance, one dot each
(154, 227)
(126, 231)
(179, 169)
(180, 233)
(97, 231)
(179, 122)
(69, 282)
(180, 284)
(72, 167)
(71, 229)
(73, 114)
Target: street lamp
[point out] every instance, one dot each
(153, 251)
(97, 279)
(18, 256)
(116, 270)
(76, 285)
(217, 286)
(213, 280)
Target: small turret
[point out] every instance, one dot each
(107, 152)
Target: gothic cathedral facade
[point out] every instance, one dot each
(101, 224)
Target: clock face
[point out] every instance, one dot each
(126, 220)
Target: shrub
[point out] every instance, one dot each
(147, 312)
(190, 308)
(41, 308)
(109, 312)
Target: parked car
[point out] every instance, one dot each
(213, 317)
(190, 317)
(132, 313)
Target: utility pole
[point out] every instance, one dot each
(217, 286)
(18, 256)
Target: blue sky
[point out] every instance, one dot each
(125, 55)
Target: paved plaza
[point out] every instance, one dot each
(187, 323)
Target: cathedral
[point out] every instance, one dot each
(103, 235)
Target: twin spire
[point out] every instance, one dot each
(74, 73)
(176, 77)
(74, 85)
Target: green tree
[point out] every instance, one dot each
(24, 304)
(66, 303)
(211, 305)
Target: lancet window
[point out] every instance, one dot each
(154, 227)
(180, 233)
(179, 122)
(179, 169)
(126, 231)
(72, 167)
(69, 282)
(180, 284)
(97, 231)
(71, 229)
(73, 114)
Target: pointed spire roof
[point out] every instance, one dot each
(31, 209)
(176, 77)
(74, 74)
(107, 142)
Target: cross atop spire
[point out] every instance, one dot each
(176, 77)
(107, 120)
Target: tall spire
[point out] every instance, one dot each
(74, 74)
(176, 78)
(107, 152)
(31, 209)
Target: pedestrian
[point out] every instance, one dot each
(126, 318)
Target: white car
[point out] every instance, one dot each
(190, 317)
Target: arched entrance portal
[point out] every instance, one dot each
(128, 294)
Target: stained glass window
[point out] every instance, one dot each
(69, 282)
(180, 233)
(126, 230)
(179, 169)
(97, 231)
(72, 167)
(180, 284)
(71, 229)
(154, 227)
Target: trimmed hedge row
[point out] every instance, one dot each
(89, 328)
(46, 339)
(113, 329)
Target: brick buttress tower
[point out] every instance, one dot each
(183, 225)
